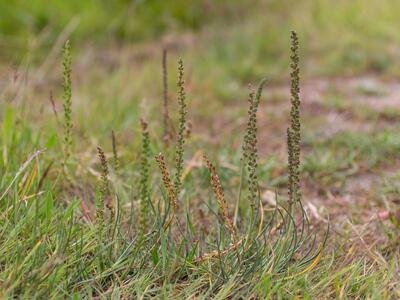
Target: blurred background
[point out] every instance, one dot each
(341, 36)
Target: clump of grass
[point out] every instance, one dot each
(115, 152)
(181, 129)
(67, 97)
(144, 190)
(240, 261)
(293, 133)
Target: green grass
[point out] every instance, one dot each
(51, 248)
(333, 160)
(58, 238)
(36, 25)
(249, 34)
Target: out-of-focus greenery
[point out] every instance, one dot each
(346, 36)
(24, 22)
(340, 36)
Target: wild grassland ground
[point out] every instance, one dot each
(350, 121)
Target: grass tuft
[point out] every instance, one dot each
(49, 248)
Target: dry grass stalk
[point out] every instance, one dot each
(168, 186)
(53, 106)
(115, 152)
(167, 134)
(104, 188)
(217, 254)
(216, 184)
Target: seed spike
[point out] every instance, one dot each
(144, 179)
(168, 186)
(67, 83)
(294, 134)
(103, 185)
(250, 153)
(181, 130)
(219, 194)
